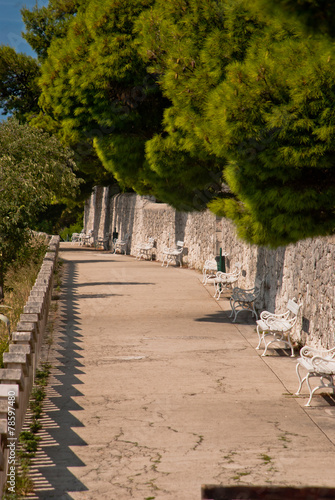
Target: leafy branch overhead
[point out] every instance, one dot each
(223, 104)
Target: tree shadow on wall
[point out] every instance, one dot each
(270, 268)
(124, 225)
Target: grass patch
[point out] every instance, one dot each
(266, 458)
(239, 475)
(19, 280)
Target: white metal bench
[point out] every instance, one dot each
(222, 281)
(145, 249)
(243, 299)
(210, 268)
(319, 363)
(75, 238)
(78, 237)
(173, 254)
(277, 326)
(88, 238)
(121, 244)
(103, 241)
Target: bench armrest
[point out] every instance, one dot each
(310, 352)
(323, 365)
(266, 315)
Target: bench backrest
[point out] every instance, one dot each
(293, 307)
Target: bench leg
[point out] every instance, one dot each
(216, 288)
(260, 337)
(321, 386)
(232, 305)
(244, 306)
(266, 345)
(236, 314)
(311, 392)
(219, 289)
(301, 380)
(254, 311)
(276, 339)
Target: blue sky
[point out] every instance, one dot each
(11, 24)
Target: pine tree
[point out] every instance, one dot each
(278, 126)
(95, 83)
(44, 24)
(189, 44)
(236, 97)
(314, 16)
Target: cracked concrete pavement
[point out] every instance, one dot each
(155, 392)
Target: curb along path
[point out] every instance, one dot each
(155, 392)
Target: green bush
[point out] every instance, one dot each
(67, 232)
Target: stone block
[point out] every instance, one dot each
(29, 318)
(16, 360)
(23, 338)
(11, 376)
(23, 326)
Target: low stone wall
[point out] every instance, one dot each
(17, 376)
(304, 270)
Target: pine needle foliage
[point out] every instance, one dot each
(181, 98)
(189, 44)
(96, 85)
(313, 16)
(278, 127)
(44, 24)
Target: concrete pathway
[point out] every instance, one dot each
(155, 392)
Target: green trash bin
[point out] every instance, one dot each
(221, 262)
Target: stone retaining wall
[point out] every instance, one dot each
(304, 270)
(17, 376)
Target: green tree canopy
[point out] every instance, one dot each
(96, 85)
(19, 91)
(44, 24)
(313, 16)
(258, 95)
(189, 45)
(184, 97)
(277, 125)
(34, 170)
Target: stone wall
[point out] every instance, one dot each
(17, 376)
(304, 270)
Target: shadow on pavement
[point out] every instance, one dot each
(107, 283)
(217, 317)
(50, 468)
